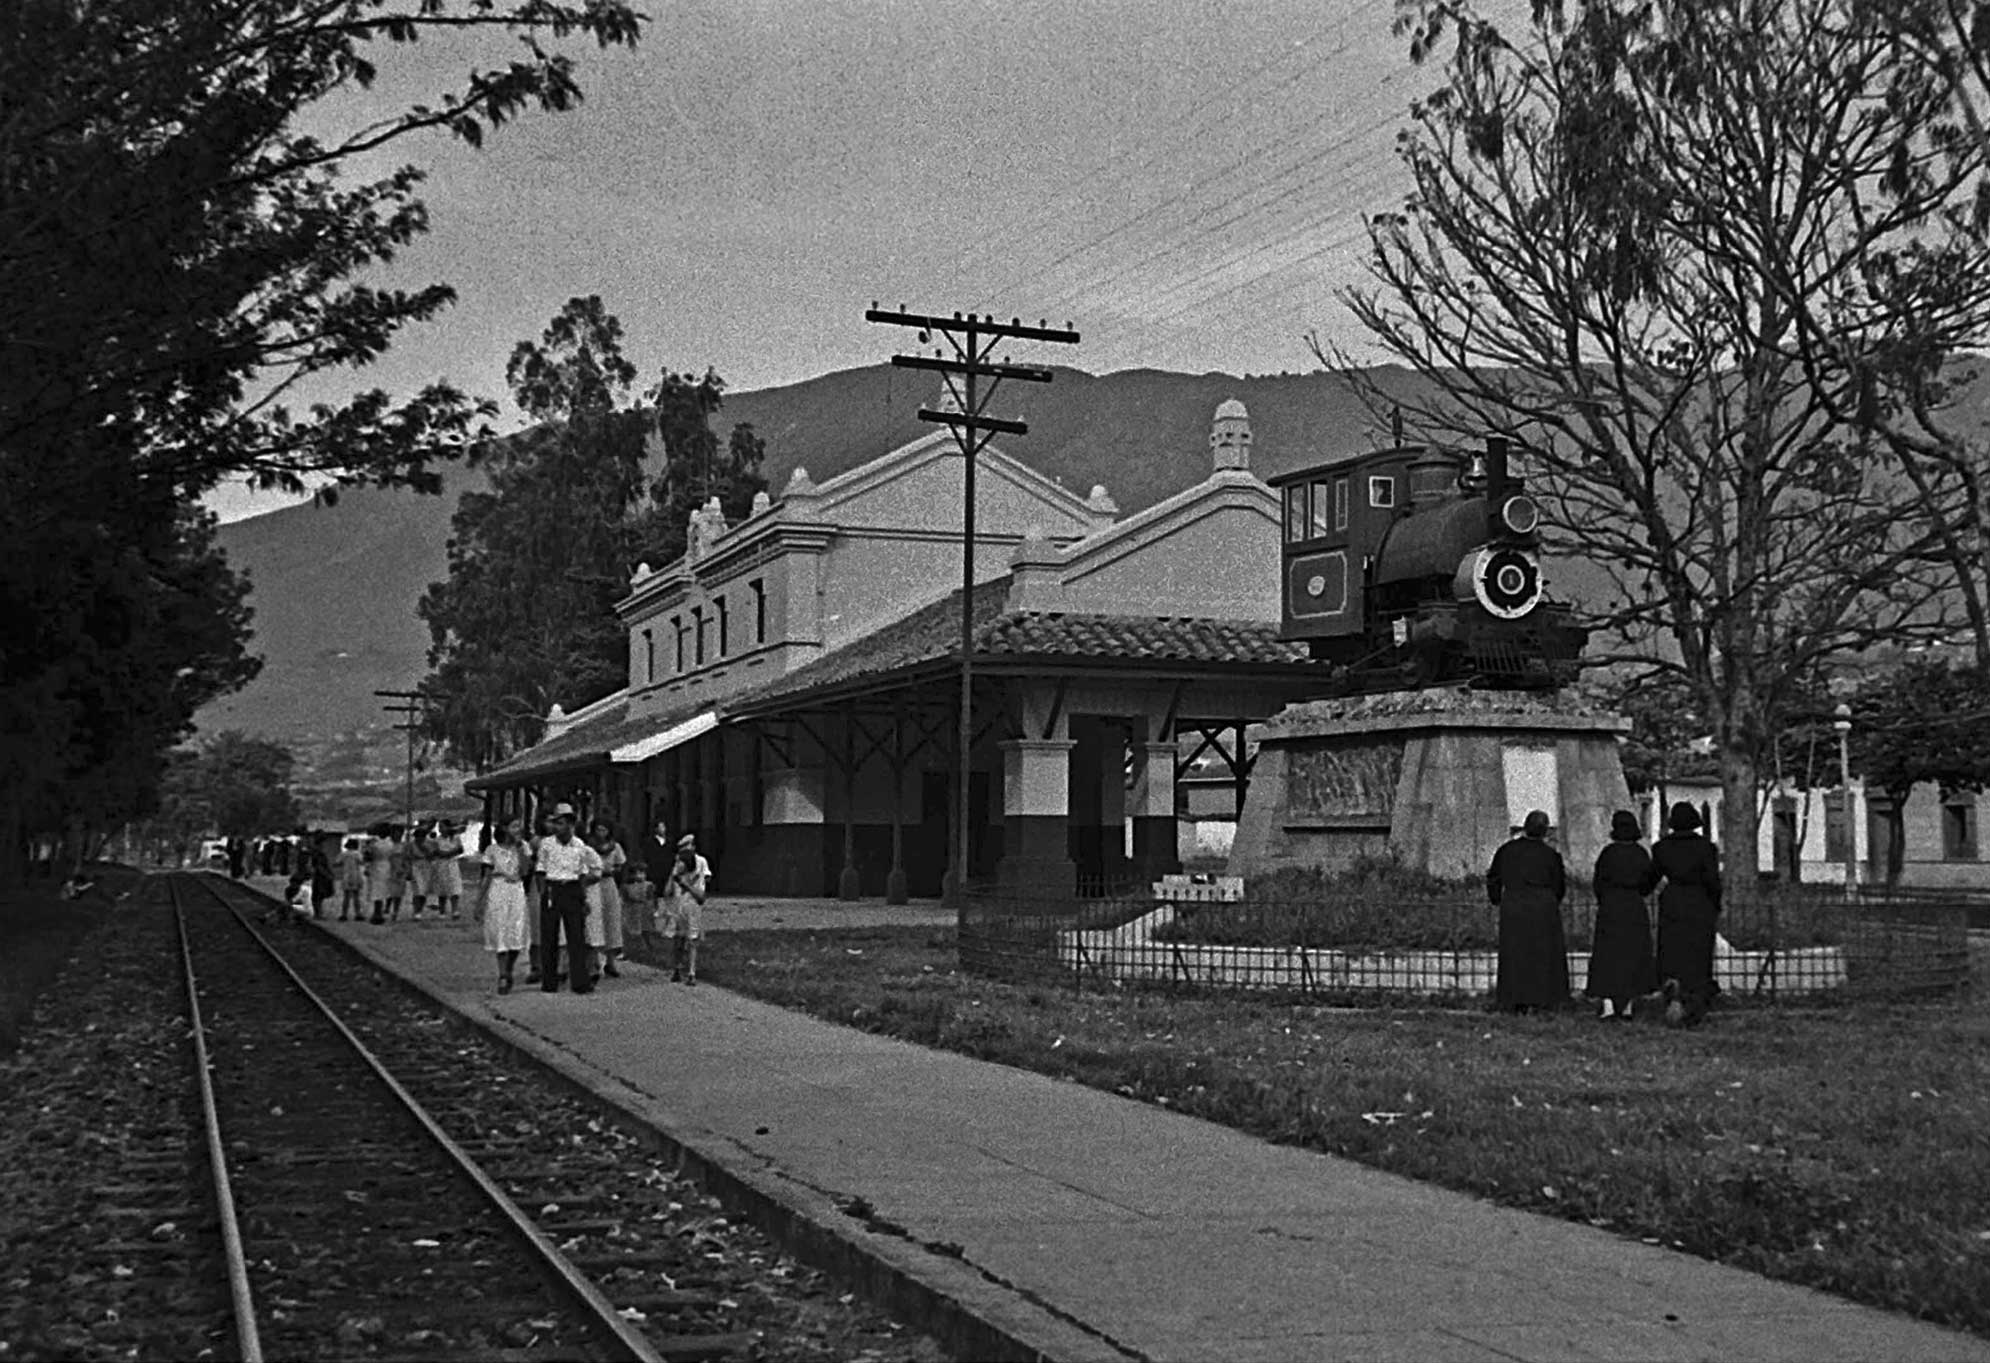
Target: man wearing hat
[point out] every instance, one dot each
(1527, 882)
(1689, 868)
(566, 866)
(684, 900)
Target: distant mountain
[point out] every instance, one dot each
(335, 587)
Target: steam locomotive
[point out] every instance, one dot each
(1417, 566)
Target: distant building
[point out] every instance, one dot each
(1932, 841)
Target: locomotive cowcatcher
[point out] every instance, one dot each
(1418, 566)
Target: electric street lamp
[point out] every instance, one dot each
(1843, 724)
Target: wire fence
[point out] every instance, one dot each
(1210, 934)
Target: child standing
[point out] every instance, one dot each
(639, 906)
(686, 900)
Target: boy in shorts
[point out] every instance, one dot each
(685, 900)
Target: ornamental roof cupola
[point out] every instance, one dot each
(1230, 436)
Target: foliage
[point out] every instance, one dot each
(525, 618)
(232, 785)
(1665, 725)
(1923, 721)
(1723, 1142)
(1592, 263)
(182, 259)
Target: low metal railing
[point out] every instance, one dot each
(1784, 943)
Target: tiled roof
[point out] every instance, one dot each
(1165, 638)
(932, 635)
(588, 740)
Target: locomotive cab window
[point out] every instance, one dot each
(1295, 513)
(1317, 498)
(1340, 503)
(1381, 492)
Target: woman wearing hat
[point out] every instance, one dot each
(1620, 963)
(1689, 866)
(1527, 882)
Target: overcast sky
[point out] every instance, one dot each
(1181, 181)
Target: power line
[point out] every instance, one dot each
(1088, 177)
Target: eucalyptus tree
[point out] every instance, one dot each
(182, 260)
(1643, 241)
(525, 618)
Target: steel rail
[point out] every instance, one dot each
(248, 1341)
(596, 1307)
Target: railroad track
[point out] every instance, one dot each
(373, 1194)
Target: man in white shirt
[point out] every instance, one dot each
(566, 866)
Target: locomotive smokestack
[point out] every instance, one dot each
(1498, 483)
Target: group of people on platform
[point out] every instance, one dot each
(1527, 882)
(393, 864)
(593, 894)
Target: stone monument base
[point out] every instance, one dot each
(1438, 779)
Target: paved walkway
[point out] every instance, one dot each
(1070, 1223)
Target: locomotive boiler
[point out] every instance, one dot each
(1418, 566)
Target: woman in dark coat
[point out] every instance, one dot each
(1690, 868)
(1527, 883)
(1620, 962)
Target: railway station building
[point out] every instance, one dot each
(794, 678)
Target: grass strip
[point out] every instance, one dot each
(1844, 1148)
(39, 933)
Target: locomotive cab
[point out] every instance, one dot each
(1416, 565)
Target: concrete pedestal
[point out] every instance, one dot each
(1437, 778)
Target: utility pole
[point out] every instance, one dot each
(972, 339)
(411, 708)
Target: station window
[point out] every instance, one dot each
(649, 656)
(698, 627)
(1320, 511)
(759, 589)
(1382, 492)
(1295, 513)
(677, 624)
(724, 623)
(1836, 827)
(1340, 503)
(1959, 827)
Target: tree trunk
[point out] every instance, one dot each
(1736, 835)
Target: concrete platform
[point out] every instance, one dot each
(1016, 1215)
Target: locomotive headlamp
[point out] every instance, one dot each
(1519, 515)
(1504, 580)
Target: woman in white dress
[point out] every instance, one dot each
(379, 870)
(501, 904)
(446, 873)
(604, 897)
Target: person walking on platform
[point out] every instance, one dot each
(536, 899)
(421, 868)
(323, 881)
(352, 881)
(1620, 960)
(1689, 868)
(446, 870)
(604, 897)
(684, 898)
(501, 899)
(658, 856)
(1527, 883)
(380, 869)
(566, 866)
(400, 873)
